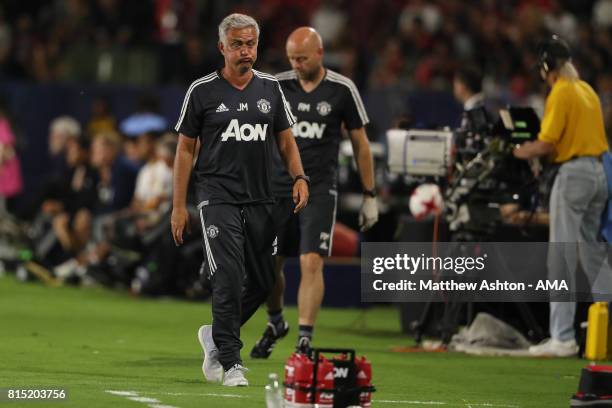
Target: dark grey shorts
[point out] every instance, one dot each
(309, 231)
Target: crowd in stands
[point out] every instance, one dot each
(387, 45)
(101, 214)
(410, 43)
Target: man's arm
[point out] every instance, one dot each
(531, 150)
(368, 215)
(183, 163)
(291, 156)
(363, 157)
(552, 127)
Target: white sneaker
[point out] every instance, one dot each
(555, 348)
(212, 369)
(234, 377)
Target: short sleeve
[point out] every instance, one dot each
(141, 185)
(354, 114)
(191, 117)
(283, 119)
(555, 117)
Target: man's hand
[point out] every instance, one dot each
(523, 151)
(531, 150)
(300, 195)
(368, 215)
(179, 222)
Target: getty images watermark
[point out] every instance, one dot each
(485, 272)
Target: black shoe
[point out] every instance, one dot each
(590, 400)
(263, 347)
(303, 346)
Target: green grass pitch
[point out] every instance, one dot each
(91, 341)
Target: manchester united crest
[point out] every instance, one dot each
(323, 108)
(264, 106)
(212, 231)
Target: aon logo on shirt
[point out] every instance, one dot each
(245, 132)
(308, 130)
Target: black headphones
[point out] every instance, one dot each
(550, 51)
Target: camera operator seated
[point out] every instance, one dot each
(572, 132)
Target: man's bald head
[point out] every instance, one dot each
(306, 38)
(305, 52)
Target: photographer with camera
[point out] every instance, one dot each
(572, 133)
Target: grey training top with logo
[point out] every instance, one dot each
(320, 114)
(237, 131)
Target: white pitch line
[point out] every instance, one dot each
(199, 394)
(483, 404)
(134, 396)
(212, 394)
(410, 402)
(123, 393)
(145, 400)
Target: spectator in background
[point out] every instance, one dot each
(146, 144)
(467, 87)
(166, 149)
(153, 191)
(62, 227)
(139, 149)
(60, 130)
(196, 59)
(81, 185)
(117, 175)
(11, 183)
(602, 13)
(5, 47)
(78, 188)
(151, 200)
(72, 226)
(130, 151)
(154, 182)
(50, 196)
(102, 120)
(145, 119)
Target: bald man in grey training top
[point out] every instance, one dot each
(322, 101)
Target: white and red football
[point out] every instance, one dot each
(426, 200)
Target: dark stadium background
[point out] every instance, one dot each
(401, 54)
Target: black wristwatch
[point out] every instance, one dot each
(370, 193)
(302, 177)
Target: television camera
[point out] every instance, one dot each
(473, 165)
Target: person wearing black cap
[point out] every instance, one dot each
(572, 134)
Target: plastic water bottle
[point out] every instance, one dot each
(274, 395)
